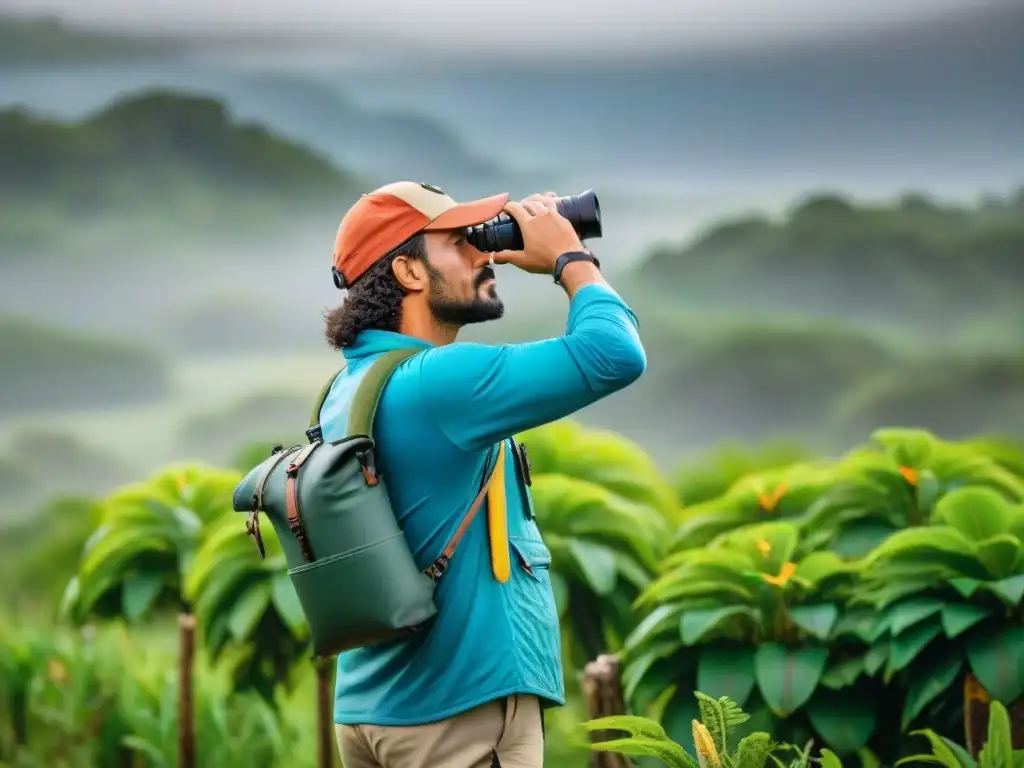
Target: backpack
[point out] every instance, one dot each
(347, 558)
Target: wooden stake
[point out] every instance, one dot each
(602, 690)
(186, 715)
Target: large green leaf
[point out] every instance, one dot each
(957, 618)
(977, 513)
(139, 593)
(770, 545)
(597, 563)
(816, 620)
(1009, 590)
(997, 660)
(249, 609)
(999, 554)
(876, 656)
(788, 677)
(642, 663)
(860, 538)
(841, 673)
(697, 624)
(906, 647)
(726, 670)
(929, 547)
(856, 622)
(600, 457)
(909, 612)
(930, 682)
(845, 719)
(659, 621)
(680, 712)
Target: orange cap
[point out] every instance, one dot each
(382, 220)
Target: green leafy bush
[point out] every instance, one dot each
(605, 512)
(713, 740)
(844, 601)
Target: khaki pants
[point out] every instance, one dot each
(508, 733)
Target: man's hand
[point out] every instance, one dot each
(546, 235)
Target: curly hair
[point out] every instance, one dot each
(374, 302)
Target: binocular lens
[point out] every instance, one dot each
(503, 234)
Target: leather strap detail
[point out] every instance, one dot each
(257, 497)
(440, 565)
(252, 528)
(291, 499)
(252, 525)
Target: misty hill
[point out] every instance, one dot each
(915, 260)
(381, 145)
(170, 161)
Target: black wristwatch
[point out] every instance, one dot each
(571, 256)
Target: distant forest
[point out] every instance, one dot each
(160, 157)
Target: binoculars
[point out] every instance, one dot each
(503, 234)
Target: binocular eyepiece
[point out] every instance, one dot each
(503, 234)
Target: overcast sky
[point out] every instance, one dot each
(519, 25)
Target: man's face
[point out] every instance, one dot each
(462, 289)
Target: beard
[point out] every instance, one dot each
(459, 312)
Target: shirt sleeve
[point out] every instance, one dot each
(479, 394)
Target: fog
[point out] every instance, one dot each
(533, 25)
(176, 326)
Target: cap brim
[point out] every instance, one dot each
(470, 214)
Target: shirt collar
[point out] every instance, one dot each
(374, 342)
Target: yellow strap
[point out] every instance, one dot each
(497, 522)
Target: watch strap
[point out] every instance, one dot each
(568, 258)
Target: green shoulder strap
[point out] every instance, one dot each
(364, 404)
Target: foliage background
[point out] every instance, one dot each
(817, 243)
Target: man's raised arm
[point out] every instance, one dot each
(479, 394)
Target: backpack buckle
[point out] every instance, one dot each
(438, 567)
(368, 466)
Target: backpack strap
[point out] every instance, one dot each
(360, 422)
(364, 404)
(367, 397)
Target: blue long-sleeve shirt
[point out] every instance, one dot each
(440, 416)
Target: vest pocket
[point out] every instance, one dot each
(535, 628)
(531, 554)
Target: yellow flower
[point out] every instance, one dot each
(785, 574)
(768, 501)
(909, 474)
(764, 547)
(706, 751)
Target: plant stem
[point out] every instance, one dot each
(186, 720)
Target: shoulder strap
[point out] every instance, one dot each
(437, 568)
(367, 397)
(364, 405)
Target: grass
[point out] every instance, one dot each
(89, 690)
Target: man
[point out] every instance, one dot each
(468, 692)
